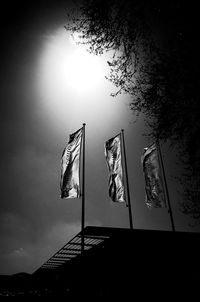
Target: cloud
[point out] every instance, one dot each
(20, 252)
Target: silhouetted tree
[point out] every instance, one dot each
(156, 61)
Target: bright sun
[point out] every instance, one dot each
(66, 66)
(82, 71)
(70, 84)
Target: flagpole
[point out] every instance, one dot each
(127, 183)
(83, 190)
(166, 188)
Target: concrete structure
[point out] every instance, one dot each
(122, 262)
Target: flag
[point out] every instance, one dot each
(114, 161)
(153, 182)
(70, 171)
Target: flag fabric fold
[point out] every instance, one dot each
(114, 162)
(70, 170)
(153, 182)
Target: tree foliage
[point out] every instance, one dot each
(156, 61)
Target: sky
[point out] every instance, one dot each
(49, 87)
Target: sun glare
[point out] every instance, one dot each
(83, 72)
(66, 66)
(71, 85)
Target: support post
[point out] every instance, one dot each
(127, 182)
(83, 191)
(165, 184)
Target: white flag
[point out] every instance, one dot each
(153, 182)
(70, 171)
(114, 161)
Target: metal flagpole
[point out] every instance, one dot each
(165, 184)
(83, 190)
(127, 183)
